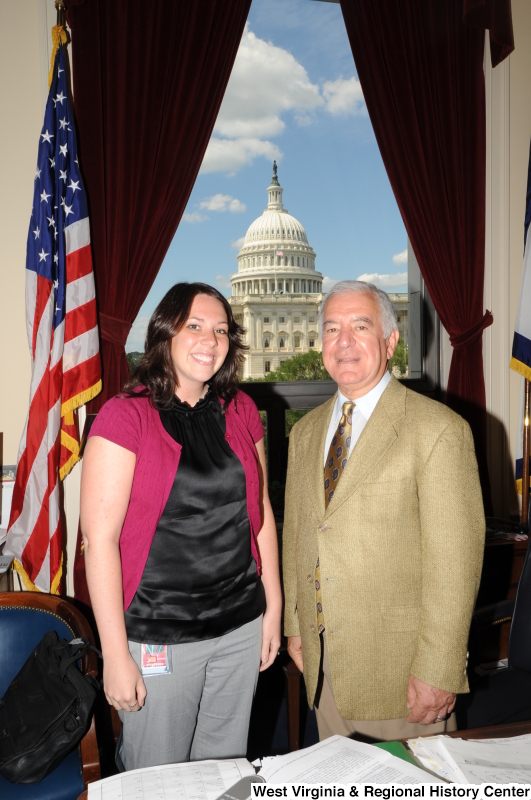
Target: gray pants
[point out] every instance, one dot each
(202, 708)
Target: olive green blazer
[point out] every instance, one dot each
(400, 549)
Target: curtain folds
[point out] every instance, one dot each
(494, 16)
(149, 79)
(420, 64)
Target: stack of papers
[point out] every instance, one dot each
(341, 760)
(475, 760)
(336, 760)
(199, 780)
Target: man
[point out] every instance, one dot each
(383, 550)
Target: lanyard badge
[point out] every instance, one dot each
(155, 659)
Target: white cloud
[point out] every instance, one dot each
(328, 283)
(137, 335)
(400, 258)
(237, 244)
(388, 283)
(266, 81)
(344, 97)
(230, 155)
(222, 202)
(223, 281)
(194, 217)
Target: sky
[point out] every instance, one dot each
(293, 96)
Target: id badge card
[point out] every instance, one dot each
(155, 659)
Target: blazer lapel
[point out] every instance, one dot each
(312, 450)
(377, 437)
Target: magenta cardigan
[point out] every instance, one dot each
(135, 424)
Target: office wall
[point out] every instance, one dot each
(20, 99)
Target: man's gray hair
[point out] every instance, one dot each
(387, 312)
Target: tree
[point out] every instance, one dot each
(399, 360)
(133, 359)
(302, 367)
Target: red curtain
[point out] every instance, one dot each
(149, 79)
(494, 16)
(421, 70)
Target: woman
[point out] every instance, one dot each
(180, 539)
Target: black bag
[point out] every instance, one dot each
(46, 710)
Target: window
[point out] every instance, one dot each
(417, 320)
(267, 366)
(297, 341)
(266, 343)
(281, 319)
(281, 342)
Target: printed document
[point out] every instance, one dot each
(476, 760)
(341, 760)
(198, 780)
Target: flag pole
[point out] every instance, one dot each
(60, 8)
(526, 448)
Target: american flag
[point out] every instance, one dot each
(280, 253)
(63, 341)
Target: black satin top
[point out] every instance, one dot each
(200, 580)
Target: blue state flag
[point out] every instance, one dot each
(521, 356)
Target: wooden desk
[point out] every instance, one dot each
(494, 731)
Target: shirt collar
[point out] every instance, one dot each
(366, 404)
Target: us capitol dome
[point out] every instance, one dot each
(277, 292)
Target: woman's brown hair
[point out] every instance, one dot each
(155, 372)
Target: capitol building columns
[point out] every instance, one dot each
(276, 292)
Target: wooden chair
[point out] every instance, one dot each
(24, 619)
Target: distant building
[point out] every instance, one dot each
(400, 305)
(277, 292)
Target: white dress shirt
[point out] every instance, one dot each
(360, 416)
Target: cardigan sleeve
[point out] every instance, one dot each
(119, 421)
(251, 416)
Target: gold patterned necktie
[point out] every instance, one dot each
(336, 461)
(337, 457)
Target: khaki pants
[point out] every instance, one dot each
(331, 723)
